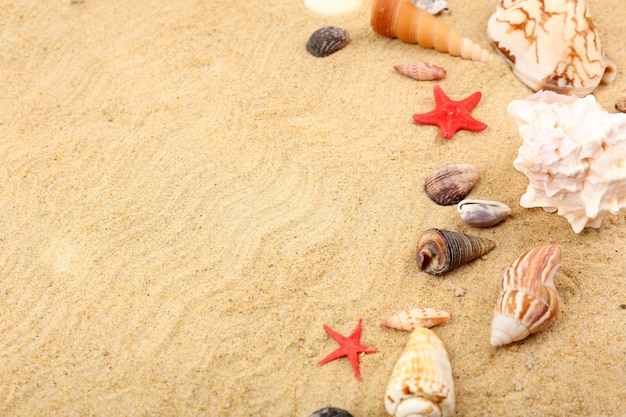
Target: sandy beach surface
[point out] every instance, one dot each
(187, 196)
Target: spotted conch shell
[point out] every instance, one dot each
(421, 383)
(528, 301)
(574, 155)
(403, 20)
(550, 45)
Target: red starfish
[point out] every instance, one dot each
(452, 115)
(350, 347)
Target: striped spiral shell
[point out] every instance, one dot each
(528, 301)
(421, 71)
(417, 317)
(421, 382)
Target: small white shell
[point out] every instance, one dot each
(482, 213)
(332, 7)
(528, 301)
(421, 383)
(417, 317)
(432, 6)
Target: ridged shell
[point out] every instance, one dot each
(421, 383)
(417, 317)
(331, 412)
(528, 301)
(440, 251)
(621, 103)
(451, 183)
(332, 7)
(403, 20)
(482, 213)
(327, 40)
(421, 71)
(550, 45)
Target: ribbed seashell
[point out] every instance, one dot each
(331, 412)
(550, 45)
(421, 71)
(421, 382)
(417, 317)
(432, 6)
(440, 251)
(451, 183)
(621, 103)
(327, 40)
(482, 213)
(332, 7)
(528, 301)
(403, 20)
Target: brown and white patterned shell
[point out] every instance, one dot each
(528, 301)
(451, 183)
(327, 40)
(417, 317)
(421, 71)
(421, 382)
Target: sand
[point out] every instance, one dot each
(187, 197)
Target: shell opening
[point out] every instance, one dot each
(416, 407)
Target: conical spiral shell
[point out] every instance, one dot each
(440, 251)
(421, 382)
(403, 20)
(528, 301)
(421, 71)
(417, 317)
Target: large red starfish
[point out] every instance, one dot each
(452, 115)
(350, 347)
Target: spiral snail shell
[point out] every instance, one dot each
(440, 251)
(403, 20)
(421, 382)
(417, 317)
(528, 301)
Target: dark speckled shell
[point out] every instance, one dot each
(331, 412)
(327, 40)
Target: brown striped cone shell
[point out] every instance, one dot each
(528, 301)
(451, 183)
(327, 40)
(421, 71)
(417, 317)
(621, 103)
(440, 251)
(482, 213)
(421, 382)
(403, 20)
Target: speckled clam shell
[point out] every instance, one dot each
(421, 71)
(528, 300)
(432, 6)
(403, 20)
(621, 103)
(440, 251)
(421, 382)
(418, 317)
(451, 183)
(331, 412)
(332, 7)
(482, 213)
(550, 45)
(327, 40)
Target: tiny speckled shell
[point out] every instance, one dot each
(331, 412)
(421, 71)
(327, 40)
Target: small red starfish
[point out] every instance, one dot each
(452, 115)
(350, 347)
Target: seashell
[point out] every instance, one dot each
(421, 382)
(621, 104)
(432, 6)
(440, 251)
(327, 40)
(550, 45)
(451, 183)
(528, 301)
(403, 20)
(573, 155)
(332, 7)
(331, 412)
(421, 71)
(418, 317)
(482, 213)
